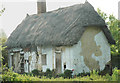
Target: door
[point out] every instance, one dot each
(58, 63)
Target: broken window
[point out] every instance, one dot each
(44, 59)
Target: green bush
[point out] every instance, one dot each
(107, 76)
(83, 74)
(115, 75)
(119, 75)
(30, 74)
(11, 76)
(61, 75)
(68, 73)
(48, 73)
(36, 72)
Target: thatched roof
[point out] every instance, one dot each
(64, 26)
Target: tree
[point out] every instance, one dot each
(1, 47)
(3, 39)
(114, 27)
(3, 51)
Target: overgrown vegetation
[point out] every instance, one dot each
(3, 39)
(51, 73)
(9, 75)
(4, 53)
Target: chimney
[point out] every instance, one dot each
(41, 6)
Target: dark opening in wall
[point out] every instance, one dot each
(64, 66)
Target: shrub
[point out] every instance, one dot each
(94, 72)
(115, 75)
(68, 73)
(83, 74)
(49, 73)
(35, 72)
(9, 75)
(107, 76)
(12, 76)
(30, 74)
(119, 75)
(61, 75)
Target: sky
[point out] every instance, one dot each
(16, 10)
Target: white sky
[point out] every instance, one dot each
(16, 10)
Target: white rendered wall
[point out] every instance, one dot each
(32, 62)
(77, 60)
(67, 58)
(105, 48)
(49, 59)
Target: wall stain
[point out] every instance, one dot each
(88, 45)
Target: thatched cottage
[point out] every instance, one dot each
(74, 37)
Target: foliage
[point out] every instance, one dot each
(114, 27)
(9, 75)
(61, 75)
(68, 73)
(30, 74)
(48, 73)
(36, 72)
(3, 39)
(4, 53)
(115, 75)
(83, 74)
(2, 11)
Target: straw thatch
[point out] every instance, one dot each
(61, 27)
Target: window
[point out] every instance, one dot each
(44, 60)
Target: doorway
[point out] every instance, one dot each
(58, 63)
